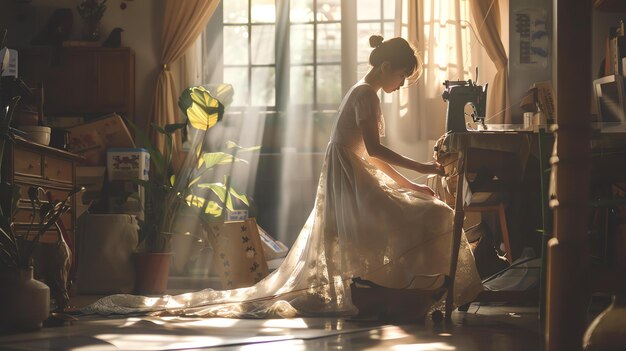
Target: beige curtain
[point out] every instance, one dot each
(183, 22)
(486, 14)
(441, 32)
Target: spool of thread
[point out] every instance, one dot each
(540, 118)
(528, 120)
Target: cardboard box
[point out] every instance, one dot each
(93, 138)
(238, 253)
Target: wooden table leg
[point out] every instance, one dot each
(459, 217)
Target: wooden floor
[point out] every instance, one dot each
(481, 328)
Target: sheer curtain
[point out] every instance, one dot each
(486, 15)
(442, 32)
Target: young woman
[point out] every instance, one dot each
(368, 222)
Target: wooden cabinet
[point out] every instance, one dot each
(82, 81)
(29, 164)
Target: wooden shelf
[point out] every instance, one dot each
(82, 80)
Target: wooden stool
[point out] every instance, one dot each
(499, 208)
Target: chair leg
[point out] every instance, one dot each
(505, 232)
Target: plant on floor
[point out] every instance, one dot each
(168, 193)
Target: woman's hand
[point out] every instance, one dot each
(421, 188)
(433, 168)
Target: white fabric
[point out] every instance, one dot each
(362, 225)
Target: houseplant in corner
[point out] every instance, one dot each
(167, 193)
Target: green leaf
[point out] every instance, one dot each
(211, 159)
(219, 189)
(233, 145)
(241, 197)
(212, 207)
(172, 128)
(201, 108)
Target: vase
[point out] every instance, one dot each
(91, 30)
(607, 331)
(25, 301)
(151, 272)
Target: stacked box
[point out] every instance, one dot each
(91, 139)
(128, 163)
(126, 197)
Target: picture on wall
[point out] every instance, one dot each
(532, 37)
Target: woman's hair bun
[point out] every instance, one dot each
(376, 41)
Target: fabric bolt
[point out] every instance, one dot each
(363, 224)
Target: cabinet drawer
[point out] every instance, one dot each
(27, 162)
(57, 169)
(49, 237)
(24, 216)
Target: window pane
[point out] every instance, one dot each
(263, 44)
(328, 84)
(329, 42)
(263, 86)
(235, 11)
(236, 45)
(388, 31)
(389, 9)
(364, 32)
(362, 69)
(301, 85)
(328, 10)
(263, 11)
(301, 43)
(368, 10)
(238, 77)
(301, 10)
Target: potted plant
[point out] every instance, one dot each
(91, 11)
(167, 194)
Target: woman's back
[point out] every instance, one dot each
(361, 102)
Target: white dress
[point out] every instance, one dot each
(362, 225)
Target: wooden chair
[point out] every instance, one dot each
(500, 209)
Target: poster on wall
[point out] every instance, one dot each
(532, 37)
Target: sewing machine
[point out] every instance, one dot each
(458, 94)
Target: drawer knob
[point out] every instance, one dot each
(30, 166)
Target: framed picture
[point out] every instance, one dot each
(609, 93)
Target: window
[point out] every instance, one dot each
(293, 52)
(249, 30)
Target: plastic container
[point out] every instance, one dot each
(128, 163)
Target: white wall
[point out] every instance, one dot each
(522, 76)
(141, 21)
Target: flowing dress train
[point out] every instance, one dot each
(362, 225)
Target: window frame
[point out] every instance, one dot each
(348, 63)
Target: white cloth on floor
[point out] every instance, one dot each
(363, 224)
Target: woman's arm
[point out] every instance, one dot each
(399, 178)
(376, 150)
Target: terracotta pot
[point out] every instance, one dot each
(151, 272)
(25, 302)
